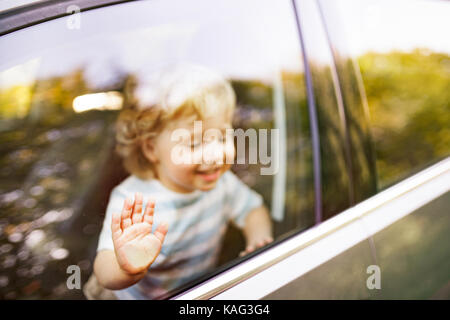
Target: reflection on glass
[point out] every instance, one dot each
(406, 76)
(336, 165)
(408, 94)
(99, 101)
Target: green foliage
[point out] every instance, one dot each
(15, 101)
(409, 100)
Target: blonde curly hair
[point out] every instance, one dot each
(151, 103)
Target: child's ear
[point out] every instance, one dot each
(149, 150)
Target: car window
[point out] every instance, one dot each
(63, 84)
(406, 75)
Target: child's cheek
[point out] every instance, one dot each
(197, 156)
(183, 174)
(179, 155)
(229, 153)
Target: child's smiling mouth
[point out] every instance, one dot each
(209, 175)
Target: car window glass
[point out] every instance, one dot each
(405, 70)
(62, 88)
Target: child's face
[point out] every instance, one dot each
(205, 148)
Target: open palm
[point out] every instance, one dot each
(135, 245)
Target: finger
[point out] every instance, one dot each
(268, 240)
(250, 249)
(115, 224)
(247, 250)
(149, 210)
(161, 231)
(126, 213)
(137, 208)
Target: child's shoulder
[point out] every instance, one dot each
(133, 184)
(230, 179)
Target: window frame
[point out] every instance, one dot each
(29, 15)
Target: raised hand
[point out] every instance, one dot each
(136, 247)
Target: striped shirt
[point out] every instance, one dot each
(197, 223)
